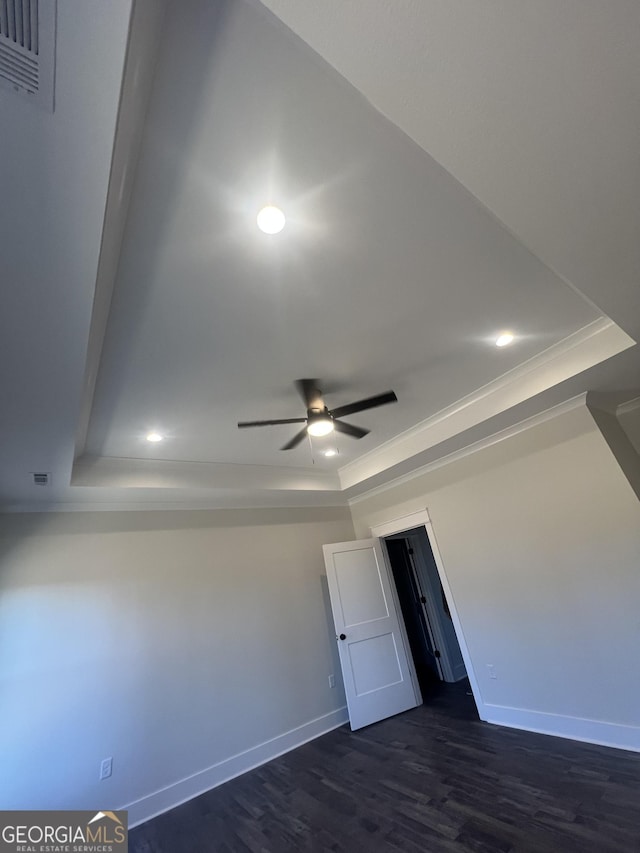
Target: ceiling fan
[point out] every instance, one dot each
(320, 420)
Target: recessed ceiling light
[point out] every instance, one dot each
(504, 339)
(330, 452)
(271, 219)
(154, 436)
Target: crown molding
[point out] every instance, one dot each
(145, 31)
(585, 348)
(629, 406)
(475, 447)
(124, 472)
(227, 501)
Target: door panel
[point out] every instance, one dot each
(375, 667)
(360, 599)
(374, 663)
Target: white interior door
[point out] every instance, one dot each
(376, 671)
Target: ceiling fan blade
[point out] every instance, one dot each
(295, 441)
(245, 424)
(350, 429)
(310, 392)
(361, 405)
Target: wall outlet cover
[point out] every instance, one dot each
(106, 768)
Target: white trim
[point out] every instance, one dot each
(129, 472)
(306, 500)
(433, 616)
(420, 519)
(401, 524)
(417, 692)
(629, 406)
(585, 348)
(475, 447)
(145, 31)
(615, 735)
(457, 624)
(186, 789)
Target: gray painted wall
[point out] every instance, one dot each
(618, 438)
(630, 422)
(169, 641)
(540, 541)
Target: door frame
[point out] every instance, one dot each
(435, 617)
(421, 518)
(426, 608)
(403, 628)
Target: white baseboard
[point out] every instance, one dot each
(186, 789)
(574, 728)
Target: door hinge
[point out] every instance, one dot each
(436, 653)
(423, 600)
(409, 550)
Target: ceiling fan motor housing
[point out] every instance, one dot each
(318, 414)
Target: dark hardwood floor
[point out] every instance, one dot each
(433, 779)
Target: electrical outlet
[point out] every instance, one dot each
(106, 767)
(332, 681)
(492, 670)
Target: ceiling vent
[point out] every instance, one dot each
(41, 479)
(27, 49)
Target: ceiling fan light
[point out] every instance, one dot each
(319, 427)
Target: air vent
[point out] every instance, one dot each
(41, 479)
(27, 48)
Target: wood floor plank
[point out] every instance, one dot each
(434, 779)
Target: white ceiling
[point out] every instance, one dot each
(533, 106)
(389, 274)
(54, 173)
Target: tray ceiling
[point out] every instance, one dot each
(389, 274)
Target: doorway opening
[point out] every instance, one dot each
(430, 631)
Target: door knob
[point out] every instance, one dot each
(343, 636)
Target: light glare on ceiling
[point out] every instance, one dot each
(154, 436)
(504, 339)
(330, 452)
(320, 426)
(271, 219)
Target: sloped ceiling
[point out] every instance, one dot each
(533, 106)
(447, 172)
(54, 174)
